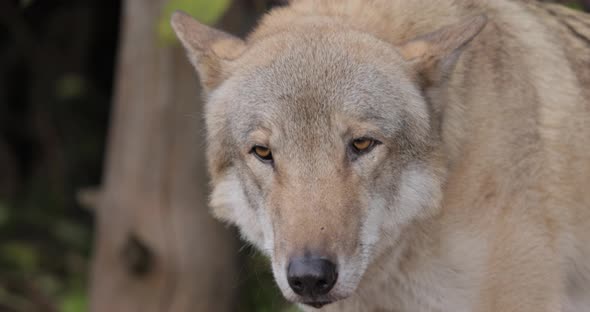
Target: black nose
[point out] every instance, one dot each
(311, 277)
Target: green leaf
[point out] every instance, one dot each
(74, 301)
(206, 11)
(20, 255)
(575, 6)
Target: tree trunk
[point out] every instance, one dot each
(157, 248)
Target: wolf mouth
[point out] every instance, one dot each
(317, 304)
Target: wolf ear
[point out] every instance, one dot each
(208, 49)
(435, 54)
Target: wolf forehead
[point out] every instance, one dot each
(312, 77)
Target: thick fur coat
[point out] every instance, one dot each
(475, 192)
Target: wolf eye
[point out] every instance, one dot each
(363, 145)
(263, 153)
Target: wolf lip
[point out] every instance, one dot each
(317, 304)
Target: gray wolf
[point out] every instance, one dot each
(394, 155)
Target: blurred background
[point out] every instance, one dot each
(103, 189)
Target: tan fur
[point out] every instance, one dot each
(479, 197)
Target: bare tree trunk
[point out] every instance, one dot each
(157, 248)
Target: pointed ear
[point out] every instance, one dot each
(434, 55)
(208, 49)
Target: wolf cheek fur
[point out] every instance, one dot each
(465, 203)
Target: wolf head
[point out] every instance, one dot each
(323, 144)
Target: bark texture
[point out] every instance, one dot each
(157, 248)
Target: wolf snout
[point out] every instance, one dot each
(311, 277)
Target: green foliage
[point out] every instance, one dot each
(71, 234)
(259, 291)
(20, 256)
(70, 86)
(74, 301)
(43, 256)
(575, 6)
(206, 11)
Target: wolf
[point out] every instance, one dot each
(394, 155)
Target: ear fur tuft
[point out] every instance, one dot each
(435, 54)
(208, 49)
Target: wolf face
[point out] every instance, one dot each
(322, 143)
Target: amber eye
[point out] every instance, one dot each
(263, 153)
(363, 145)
